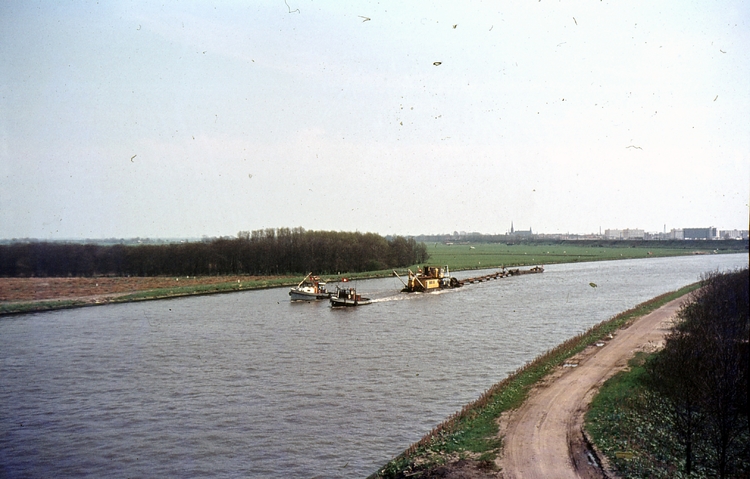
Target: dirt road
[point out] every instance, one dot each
(543, 438)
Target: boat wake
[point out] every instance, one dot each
(389, 299)
(410, 296)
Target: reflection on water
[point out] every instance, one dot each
(249, 384)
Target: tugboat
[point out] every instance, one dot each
(430, 278)
(309, 289)
(348, 297)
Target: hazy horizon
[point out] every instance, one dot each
(140, 119)
(446, 233)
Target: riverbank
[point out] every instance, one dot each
(469, 442)
(25, 295)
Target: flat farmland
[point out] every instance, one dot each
(460, 256)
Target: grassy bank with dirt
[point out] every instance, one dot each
(22, 295)
(472, 433)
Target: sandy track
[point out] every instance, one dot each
(543, 438)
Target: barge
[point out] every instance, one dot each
(431, 278)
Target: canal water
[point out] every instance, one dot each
(250, 385)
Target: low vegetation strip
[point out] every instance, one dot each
(472, 432)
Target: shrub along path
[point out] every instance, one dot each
(544, 437)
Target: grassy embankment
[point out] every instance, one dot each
(472, 432)
(617, 426)
(456, 256)
(635, 434)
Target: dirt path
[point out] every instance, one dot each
(543, 438)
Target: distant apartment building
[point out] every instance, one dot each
(677, 234)
(626, 234)
(700, 233)
(674, 234)
(733, 234)
(632, 234)
(613, 234)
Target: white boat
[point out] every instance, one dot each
(309, 289)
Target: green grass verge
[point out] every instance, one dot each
(161, 293)
(33, 306)
(623, 426)
(493, 255)
(208, 289)
(473, 431)
(633, 429)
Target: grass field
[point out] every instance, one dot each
(492, 255)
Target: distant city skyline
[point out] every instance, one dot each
(630, 233)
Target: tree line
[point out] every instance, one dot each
(700, 379)
(260, 252)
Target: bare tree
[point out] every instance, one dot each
(703, 371)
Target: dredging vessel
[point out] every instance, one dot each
(429, 278)
(432, 278)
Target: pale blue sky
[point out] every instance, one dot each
(183, 119)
